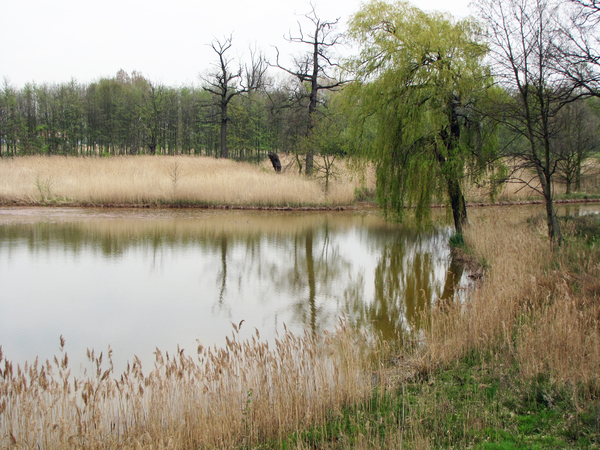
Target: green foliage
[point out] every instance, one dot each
(363, 194)
(43, 186)
(418, 76)
(129, 114)
(457, 240)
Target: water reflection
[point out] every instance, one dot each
(140, 280)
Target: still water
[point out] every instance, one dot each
(141, 279)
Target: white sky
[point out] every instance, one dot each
(54, 41)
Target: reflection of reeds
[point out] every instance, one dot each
(178, 180)
(189, 224)
(234, 396)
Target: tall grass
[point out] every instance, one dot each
(515, 256)
(160, 180)
(541, 307)
(245, 393)
(201, 181)
(517, 191)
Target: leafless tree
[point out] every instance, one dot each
(226, 82)
(578, 138)
(314, 68)
(524, 39)
(579, 49)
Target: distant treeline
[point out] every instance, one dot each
(129, 114)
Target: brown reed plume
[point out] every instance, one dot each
(245, 393)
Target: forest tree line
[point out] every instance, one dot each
(129, 114)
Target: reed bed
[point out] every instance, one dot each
(205, 181)
(163, 180)
(489, 315)
(516, 191)
(237, 396)
(539, 305)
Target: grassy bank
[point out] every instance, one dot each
(164, 180)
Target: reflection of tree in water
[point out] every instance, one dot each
(407, 279)
(317, 271)
(308, 265)
(453, 277)
(223, 273)
(250, 267)
(411, 272)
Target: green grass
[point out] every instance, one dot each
(457, 240)
(364, 194)
(585, 228)
(480, 402)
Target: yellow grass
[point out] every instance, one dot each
(161, 180)
(490, 312)
(547, 317)
(239, 395)
(202, 181)
(516, 191)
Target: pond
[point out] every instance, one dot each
(140, 279)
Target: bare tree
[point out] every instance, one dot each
(226, 82)
(580, 47)
(314, 67)
(524, 39)
(576, 141)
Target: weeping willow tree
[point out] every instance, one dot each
(417, 78)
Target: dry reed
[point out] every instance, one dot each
(239, 395)
(162, 180)
(490, 312)
(547, 318)
(518, 191)
(561, 339)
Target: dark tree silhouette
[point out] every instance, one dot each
(314, 67)
(226, 82)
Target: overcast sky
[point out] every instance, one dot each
(54, 41)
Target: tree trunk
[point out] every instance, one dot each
(554, 233)
(578, 175)
(458, 204)
(312, 106)
(275, 161)
(224, 131)
(451, 139)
